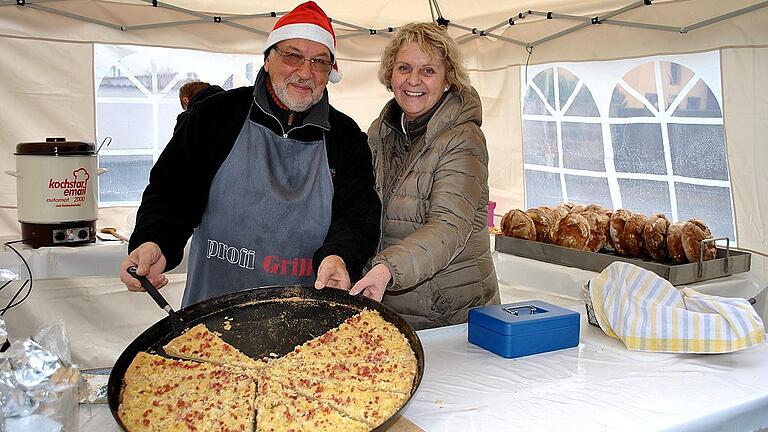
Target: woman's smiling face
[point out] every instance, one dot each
(418, 79)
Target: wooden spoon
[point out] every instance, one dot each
(113, 232)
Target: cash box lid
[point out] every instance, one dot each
(523, 317)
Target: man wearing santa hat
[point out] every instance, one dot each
(274, 185)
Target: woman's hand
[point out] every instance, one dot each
(374, 283)
(332, 272)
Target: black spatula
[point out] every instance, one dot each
(176, 322)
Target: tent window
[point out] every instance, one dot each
(642, 134)
(137, 103)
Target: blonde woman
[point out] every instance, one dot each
(433, 261)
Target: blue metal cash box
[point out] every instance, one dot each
(525, 328)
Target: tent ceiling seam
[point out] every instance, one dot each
(358, 30)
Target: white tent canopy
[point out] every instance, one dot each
(47, 68)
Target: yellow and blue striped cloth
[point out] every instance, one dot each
(647, 313)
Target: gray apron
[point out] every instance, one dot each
(269, 209)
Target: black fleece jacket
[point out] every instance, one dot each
(176, 197)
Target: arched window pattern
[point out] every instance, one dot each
(642, 134)
(564, 155)
(669, 146)
(137, 103)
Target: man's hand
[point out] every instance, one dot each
(332, 272)
(374, 283)
(149, 262)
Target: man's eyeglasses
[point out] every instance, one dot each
(297, 60)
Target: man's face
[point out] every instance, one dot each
(298, 87)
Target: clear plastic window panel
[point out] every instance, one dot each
(129, 125)
(137, 103)
(651, 129)
(126, 178)
(708, 203)
(645, 196)
(588, 190)
(698, 151)
(542, 189)
(583, 146)
(540, 139)
(638, 148)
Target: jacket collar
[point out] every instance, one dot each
(411, 130)
(316, 115)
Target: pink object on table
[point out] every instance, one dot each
(491, 208)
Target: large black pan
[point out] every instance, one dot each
(264, 321)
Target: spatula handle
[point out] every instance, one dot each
(150, 289)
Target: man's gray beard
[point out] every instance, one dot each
(282, 93)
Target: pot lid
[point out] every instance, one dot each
(56, 146)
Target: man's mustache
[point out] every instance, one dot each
(298, 81)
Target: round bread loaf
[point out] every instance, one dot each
(631, 237)
(572, 231)
(597, 208)
(618, 219)
(516, 223)
(694, 231)
(560, 212)
(675, 243)
(572, 207)
(655, 236)
(542, 220)
(598, 227)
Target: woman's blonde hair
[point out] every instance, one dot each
(427, 36)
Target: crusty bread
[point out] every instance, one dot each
(655, 236)
(631, 238)
(694, 231)
(598, 228)
(572, 231)
(618, 219)
(516, 223)
(675, 243)
(542, 218)
(571, 207)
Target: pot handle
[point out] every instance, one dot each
(100, 171)
(12, 173)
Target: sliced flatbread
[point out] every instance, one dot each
(364, 337)
(369, 406)
(201, 344)
(173, 395)
(394, 376)
(279, 409)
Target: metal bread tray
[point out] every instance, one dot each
(726, 263)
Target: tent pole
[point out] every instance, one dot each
(487, 31)
(74, 16)
(477, 32)
(642, 25)
(204, 20)
(601, 20)
(26, 2)
(747, 9)
(595, 20)
(208, 17)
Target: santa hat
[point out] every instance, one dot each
(306, 21)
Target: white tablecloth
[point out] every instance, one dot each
(528, 279)
(597, 386)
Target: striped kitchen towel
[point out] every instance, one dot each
(647, 313)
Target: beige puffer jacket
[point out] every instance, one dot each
(434, 238)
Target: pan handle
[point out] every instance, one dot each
(176, 322)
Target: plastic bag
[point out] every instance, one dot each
(39, 387)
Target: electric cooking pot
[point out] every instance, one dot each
(57, 192)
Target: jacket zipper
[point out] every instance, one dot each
(285, 134)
